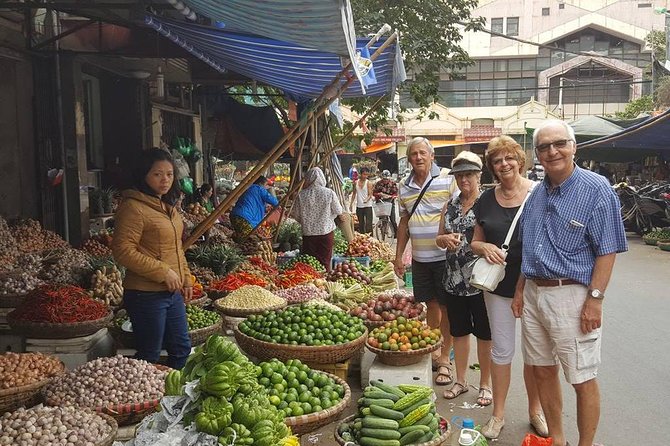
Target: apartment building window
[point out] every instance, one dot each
(644, 5)
(561, 6)
(497, 25)
(512, 26)
(545, 11)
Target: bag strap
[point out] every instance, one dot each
(418, 200)
(508, 237)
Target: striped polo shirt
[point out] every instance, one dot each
(425, 221)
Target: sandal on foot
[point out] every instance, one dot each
(485, 397)
(444, 376)
(435, 359)
(540, 425)
(492, 428)
(456, 389)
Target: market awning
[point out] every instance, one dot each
(639, 141)
(377, 147)
(300, 71)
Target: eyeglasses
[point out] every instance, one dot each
(508, 159)
(559, 144)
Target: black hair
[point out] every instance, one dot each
(261, 180)
(206, 187)
(364, 170)
(145, 162)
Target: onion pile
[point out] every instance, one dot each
(96, 249)
(107, 381)
(24, 275)
(52, 426)
(21, 369)
(31, 237)
(302, 293)
(8, 246)
(68, 266)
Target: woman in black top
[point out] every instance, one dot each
(495, 211)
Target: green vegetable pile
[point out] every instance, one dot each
(377, 265)
(393, 416)
(222, 259)
(304, 325)
(295, 389)
(658, 234)
(340, 244)
(303, 258)
(232, 404)
(199, 318)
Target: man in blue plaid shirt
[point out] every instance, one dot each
(571, 231)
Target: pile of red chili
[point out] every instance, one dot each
(299, 273)
(60, 305)
(234, 281)
(263, 266)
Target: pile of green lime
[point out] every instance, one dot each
(306, 259)
(304, 325)
(296, 389)
(199, 318)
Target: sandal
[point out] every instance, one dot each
(485, 397)
(444, 376)
(456, 389)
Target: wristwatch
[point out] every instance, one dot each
(596, 294)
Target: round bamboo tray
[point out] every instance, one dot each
(307, 423)
(398, 358)
(323, 354)
(128, 413)
(374, 324)
(664, 245)
(109, 440)
(244, 313)
(444, 433)
(199, 336)
(48, 330)
(25, 396)
(201, 301)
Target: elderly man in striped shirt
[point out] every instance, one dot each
(571, 231)
(422, 195)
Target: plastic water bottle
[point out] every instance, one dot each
(467, 435)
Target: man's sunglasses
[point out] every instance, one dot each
(560, 144)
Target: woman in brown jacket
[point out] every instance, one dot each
(147, 241)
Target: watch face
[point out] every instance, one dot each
(596, 294)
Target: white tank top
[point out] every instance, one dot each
(362, 195)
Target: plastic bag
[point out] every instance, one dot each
(534, 440)
(407, 255)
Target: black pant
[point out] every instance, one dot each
(364, 220)
(394, 225)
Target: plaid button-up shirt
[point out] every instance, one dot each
(563, 230)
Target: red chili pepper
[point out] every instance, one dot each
(60, 304)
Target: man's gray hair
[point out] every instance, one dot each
(553, 123)
(420, 140)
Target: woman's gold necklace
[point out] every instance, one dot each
(509, 197)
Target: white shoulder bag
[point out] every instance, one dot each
(485, 275)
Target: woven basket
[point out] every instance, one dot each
(126, 414)
(199, 336)
(399, 358)
(307, 423)
(374, 324)
(436, 442)
(24, 396)
(109, 440)
(201, 301)
(650, 241)
(47, 330)
(323, 354)
(244, 313)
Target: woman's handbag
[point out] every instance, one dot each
(485, 275)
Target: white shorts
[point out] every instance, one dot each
(551, 331)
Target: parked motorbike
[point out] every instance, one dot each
(646, 208)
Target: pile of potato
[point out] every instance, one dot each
(22, 369)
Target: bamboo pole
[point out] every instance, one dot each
(285, 142)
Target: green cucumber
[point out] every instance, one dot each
(425, 420)
(367, 402)
(386, 413)
(369, 441)
(415, 427)
(373, 392)
(411, 437)
(379, 423)
(426, 437)
(387, 388)
(382, 434)
(434, 423)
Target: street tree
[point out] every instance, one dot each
(430, 34)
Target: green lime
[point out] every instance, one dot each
(274, 400)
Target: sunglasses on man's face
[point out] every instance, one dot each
(559, 144)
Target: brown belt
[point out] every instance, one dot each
(555, 282)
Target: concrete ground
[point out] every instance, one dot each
(632, 377)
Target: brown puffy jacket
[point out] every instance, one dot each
(147, 241)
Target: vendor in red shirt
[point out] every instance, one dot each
(387, 190)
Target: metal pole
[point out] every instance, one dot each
(560, 97)
(61, 131)
(667, 36)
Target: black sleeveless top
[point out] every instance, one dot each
(495, 220)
